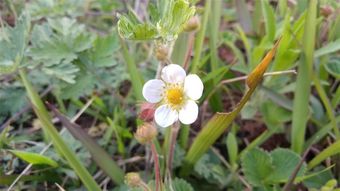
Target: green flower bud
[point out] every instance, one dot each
(193, 24)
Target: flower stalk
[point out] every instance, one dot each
(171, 151)
(156, 164)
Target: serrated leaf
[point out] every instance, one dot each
(257, 166)
(210, 169)
(284, 162)
(63, 71)
(13, 41)
(131, 29)
(333, 67)
(181, 185)
(154, 13)
(53, 8)
(12, 99)
(178, 13)
(168, 27)
(34, 158)
(58, 40)
(84, 86)
(202, 168)
(57, 44)
(102, 53)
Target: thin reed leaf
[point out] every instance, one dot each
(99, 155)
(303, 86)
(200, 37)
(135, 75)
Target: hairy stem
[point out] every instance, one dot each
(174, 133)
(157, 170)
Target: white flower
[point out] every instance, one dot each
(176, 94)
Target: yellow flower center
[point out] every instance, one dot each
(175, 96)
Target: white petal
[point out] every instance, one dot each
(173, 73)
(153, 90)
(188, 114)
(193, 86)
(165, 116)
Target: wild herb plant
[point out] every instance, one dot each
(169, 95)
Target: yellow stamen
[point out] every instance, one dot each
(175, 96)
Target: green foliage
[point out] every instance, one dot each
(211, 170)
(73, 50)
(320, 179)
(131, 28)
(232, 146)
(55, 45)
(262, 168)
(333, 67)
(303, 86)
(53, 8)
(215, 127)
(13, 42)
(34, 158)
(257, 166)
(167, 27)
(58, 142)
(12, 99)
(98, 154)
(327, 49)
(181, 185)
(269, 17)
(176, 15)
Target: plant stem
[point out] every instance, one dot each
(161, 64)
(200, 37)
(264, 75)
(157, 171)
(135, 75)
(188, 53)
(174, 133)
(327, 105)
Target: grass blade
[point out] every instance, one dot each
(269, 18)
(200, 37)
(302, 91)
(99, 155)
(331, 150)
(136, 78)
(243, 15)
(327, 104)
(214, 23)
(58, 142)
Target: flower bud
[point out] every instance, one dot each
(326, 10)
(192, 24)
(147, 112)
(132, 179)
(145, 133)
(161, 52)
